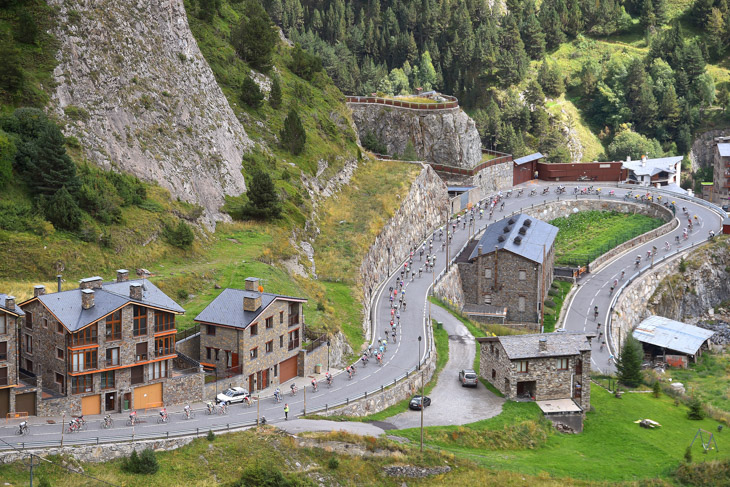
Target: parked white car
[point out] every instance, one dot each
(234, 394)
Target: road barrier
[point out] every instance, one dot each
(10, 416)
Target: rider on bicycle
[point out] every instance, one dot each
(314, 384)
(163, 413)
(133, 417)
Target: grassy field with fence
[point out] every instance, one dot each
(585, 235)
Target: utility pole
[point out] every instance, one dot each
(305, 399)
(423, 406)
(258, 408)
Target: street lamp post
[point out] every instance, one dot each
(423, 406)
(328, 354)
(419, 352)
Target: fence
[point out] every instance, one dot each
(321, 340)
(452, 102)
(182, 335)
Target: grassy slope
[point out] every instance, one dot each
(708, 379)
(552, 314)
(611, 448)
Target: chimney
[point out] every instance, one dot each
(479, 250)
(135, 291)
(628, 158)
(39, 290)
(87, 298)
(10, 302)
(122, 275)
(252, 296)
(58, 279)
(252, 284)
(543, 344)
(643, 161)
(91, 283)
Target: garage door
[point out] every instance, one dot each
(25, 403)
(148, 396)
(287, 369)
(91, 404)
(4, 402)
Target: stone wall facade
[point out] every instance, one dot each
(8, 361)
(550, 381)
(703, 148)
(450, 288)
(190, 346)
(549, 211)
(318, 356)
(423, 210)
(242, 352)
(380, 400)
(494, 178)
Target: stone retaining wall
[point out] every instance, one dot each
(379, 401)
(449, 288)
(494, 178)
(423, 209)
(555, 209)
(190, 346)
(98, 453)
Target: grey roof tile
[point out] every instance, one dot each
(538, 238)
(558, 345)
(17, 309)
(227, 308)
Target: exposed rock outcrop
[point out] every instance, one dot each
(703, 148)
(442, 136)
(138, 94)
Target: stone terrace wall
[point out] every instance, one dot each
(563, 208)
(184, 389)
(422, 210)
(494, 178)
(450, 289)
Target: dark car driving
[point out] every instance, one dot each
(416, 402)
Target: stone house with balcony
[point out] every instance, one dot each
(506, 274)
(721, 171)
(552, 369)
(104, 347)
(13, 397)
(252, 336)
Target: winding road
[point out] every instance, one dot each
(401, 357)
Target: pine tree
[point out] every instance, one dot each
(551, 26)
(293, 135)
(12, 77)
(206, 10)
(275, 95)
(628, 364)
(7, 154)
(426, 72)
(263, 200)
(512, 61)
(645, 111)
(27, 32)
(255, 38)
(648, 17)
(533, 37)
(669, 109)
(534, 95)
(550, 80)
(251, 93)
(660, 12)
(61, 210)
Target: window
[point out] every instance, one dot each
(45, 322)
(114, 326)
(208, 353)
(81, 384)
(254, 329)
(269, 322)
(59, 379)
(294, 339)
(3, 350)
(108, 380)
(488, 273)
(3, 376)
(281, 341)
(112, 357)
(496, 353)
(59, 353)
(29, 320)
(522, 366)
(140, 321)
(293, 314)
(281, 317)
(494, 374)
(270, 346)
(3, 324)
(29, 365)
(229, 358)
(562, 363)
(165, 345)
(83, 360)
(28, 343)
(87, 336)
(210, 330)
(137, 374)
(141, 351)
(521, 303)
(158, 370)
(487, 299)
(254, 353)
(276, 370)
(59, 328)
(523, 275)
(217, 351)
(164, 321)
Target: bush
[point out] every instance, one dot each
(553, 292)
(268, 476)
(251, 93)
(549, 303)
(304, 64)
(682, 265)
(371, 143)
(180, 235)
(182, 294)
(210, 436)
(144, 463)
(255, 37)
(695, 409)
(61, 210)
(333, 463)
(656, 389)
(275, 95)
(293, 135)
(688, 454)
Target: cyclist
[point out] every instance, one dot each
(393, 335)
(379, 358)
(133, 417)
(623, 273)
(595, 313)
(186, 411)
(277, 395)
(314, 384)
(163, 414)
(349, 372)
(364, 360)
(293, 389)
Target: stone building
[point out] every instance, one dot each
(10, 383)
(544, 367)
(721, 172)
(252, 334)
(508, 271)
(663, 171)
(104, 347)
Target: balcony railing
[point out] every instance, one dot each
(80, 389)
(141, 357)
(84, 368)
(293, 344)
(164, 351)
(114, 336)
(293, 320)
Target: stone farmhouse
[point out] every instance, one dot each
(663, 171)
(721, 171)
(508, 271)
(253, 336)
(12, 397)
(552, 369)
(104, 347)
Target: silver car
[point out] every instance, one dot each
(468, 377)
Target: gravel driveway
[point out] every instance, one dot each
(452, 404)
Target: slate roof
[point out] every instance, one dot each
(537, 234)
(520, 347)
(227, 308)
(724, 150)
(652, 167)
(526, 159)
(66, 305)
(674, 335)
(16, 311)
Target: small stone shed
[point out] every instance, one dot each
(675, 342)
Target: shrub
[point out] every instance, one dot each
(144, 463)
(682, 265)
(44, 482)
(695, 409)
(333, 463)
(180, 235)
(293, 135)
(182, 294)
(688, 454)
(251, 93)
(409, 153)
(210, 436)
(61, 210)
(656, 389)
(275, 95)
(371, 143)
(304, 64)
(549, 303)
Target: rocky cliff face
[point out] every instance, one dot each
(445, 136)
(703, 148)
(138, 94)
